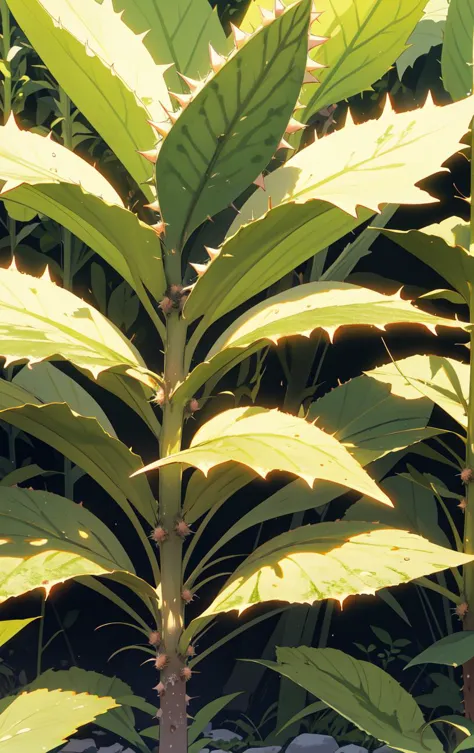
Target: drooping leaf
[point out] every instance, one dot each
(331, 561)
(42, 321)
(299, 311)
(361, 692)
(229, 132)
(120, 720)
(457, 53)
(133, 393)
(103, 67)
(42, 720)
(415, 509)
(325, 192)
(364, 37)
(50, 385)
(345, 167)
(442, 380)
(9, 628)
(207, 714)
(267, 440)
(170, 27)
(81, 439)
(428, 33)
(38, 521)
(443, 247)
(453, 650)
(42, 174)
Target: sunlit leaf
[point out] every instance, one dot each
(42, 720)
(428, 33)
(457, 53)
(9, 628)
(453, 650)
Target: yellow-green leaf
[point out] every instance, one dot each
(346, 168)
(103, 67)
(9, 628)
(365, 37)
(443, 380)
(299, 311)
(363, 693)
(42, 321)
(39, 721)
(37, 521)
(81, 439)
(332, 561)
(46, 176)
(269, 440)
(428, 33)
(457, 54)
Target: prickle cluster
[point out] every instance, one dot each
(187, 595)
(462, 610)
(161, 662)
(159, 534)
(159, 398)
(193, 405)
(466, 475)
(154, 639)
(182, 528)
(185, 674)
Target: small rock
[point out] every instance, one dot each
(224, 734)
(267, 749)
(353, 749)
(207, 729)
(115, 748)
(385, 749)
(80, 746)
(311, 743)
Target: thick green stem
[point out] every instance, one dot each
(173, 720)
(6, 44)
(468, 623)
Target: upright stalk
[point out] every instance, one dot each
(6, 44)
(468, 622)
(173, 719)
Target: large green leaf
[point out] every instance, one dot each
(133, 393)
(103, 67)
(120, 721)
(457, 55)
(42, 321)
(229, 132)
(42, 174)
(325, 192)
(331, 561)
(33, 521)
(365, 37)
(428, 33)
(50, 385)
(42, 720)
(267, 440)
(443, 247)
(203, 492)
(415, 509)
(177, 32)
(84, 442)
(9, 628)
(299, 311)
(443, 380)
(453, 650)
(361, 692)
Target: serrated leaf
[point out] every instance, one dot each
(38, 521)
(170, 27)
(428, 33)
(361, 692)
(229, 132)
(443, 247)
(267, 440)
(453, 650)
(9, 628)
(46, 176)
(442, 380)
(203, 492)
(42, 321)
(331, 561)
(120, 721)
(457, 53)
(347, 167)
(300, 311)
(103, 67)
(107, 460)
(364, 39)
(42, 720)
(50, 385)
(357, 169)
